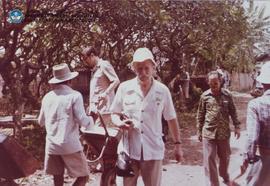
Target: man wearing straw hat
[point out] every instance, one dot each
(258, 129)
(144, 100)
(62, 113)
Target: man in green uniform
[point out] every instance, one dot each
(215, 109)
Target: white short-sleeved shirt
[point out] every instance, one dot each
(101, 78)
(62, 112)
(147, 113)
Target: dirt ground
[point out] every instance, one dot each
(189, 171)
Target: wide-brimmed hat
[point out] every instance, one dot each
(62, 73)
(142, 54)
(264, 76)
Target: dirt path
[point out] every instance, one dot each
(190, 171)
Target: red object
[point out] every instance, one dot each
(15, 161)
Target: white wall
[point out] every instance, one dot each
(241, 81)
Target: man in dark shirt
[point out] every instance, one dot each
(215, 109)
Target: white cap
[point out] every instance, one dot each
(264, 76)
(142, 54)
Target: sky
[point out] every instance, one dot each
(261, 3)
(265, 3)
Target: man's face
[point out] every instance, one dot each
(214, 83)
(144, 70)
(89, 60)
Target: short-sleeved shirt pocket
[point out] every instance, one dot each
(130, 101)
(225, 105)
(156, 104)
(211, 105)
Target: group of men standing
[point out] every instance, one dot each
(145, 100)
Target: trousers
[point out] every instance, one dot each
(150, 171)
(211, 150)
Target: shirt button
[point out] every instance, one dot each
(141, 132)
(142, 110)
(141, 121)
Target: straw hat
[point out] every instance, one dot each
(62, 73)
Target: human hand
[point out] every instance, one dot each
(237, 133)
(178, 153)
(243, 166)
(94, 115)
(200, 138)
(126, 124)
(102, 96)
(102, 100)
(88, 111)
(86, 128)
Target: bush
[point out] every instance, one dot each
(33, 139)
(5, 108)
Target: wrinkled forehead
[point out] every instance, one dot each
(144, 64)
(213, 78)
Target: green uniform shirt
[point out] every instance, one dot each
(213, 115)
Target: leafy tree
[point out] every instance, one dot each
(258, 26)
(198, 34)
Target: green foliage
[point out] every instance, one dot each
(5, 107)
(195, 94)
(258, 25)
(199, 34)
(187, 120)
(33, 140)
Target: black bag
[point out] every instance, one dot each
(123, 165)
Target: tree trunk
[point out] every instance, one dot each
(18, 114)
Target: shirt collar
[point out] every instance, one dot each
(97, 65)
(223, 92)
(99, 61)
(66, 87)
(136, 86)
(267, 92)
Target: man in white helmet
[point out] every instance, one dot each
(144, 100)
